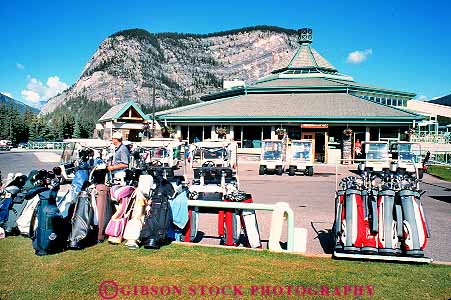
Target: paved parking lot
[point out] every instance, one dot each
(312, 201)
(311, 198)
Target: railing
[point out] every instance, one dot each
(45, 145)
(280, 210)
(440, 158)
(440, 138)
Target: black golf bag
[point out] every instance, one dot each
(18, 204)
(51, 233)
(83, 232)
(158, 215)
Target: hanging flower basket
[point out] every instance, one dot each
(410, 132)
(221, 132)
(347, 132)
(167, 131)
(281, 131)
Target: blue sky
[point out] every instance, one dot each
(403, 45)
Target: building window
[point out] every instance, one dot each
(389, 101)
(252, 136)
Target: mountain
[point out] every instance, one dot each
(20, 106)
(445, 100)
(183, 66)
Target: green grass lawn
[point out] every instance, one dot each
(443, 172)
(77, 274)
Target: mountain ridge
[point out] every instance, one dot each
(20, 105)
(182, 66)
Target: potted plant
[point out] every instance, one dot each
(221, 132)
(347, 132)
(281, 132)
(167, 131)
(409, 133)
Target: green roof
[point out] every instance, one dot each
(116, 111)
(316, 107)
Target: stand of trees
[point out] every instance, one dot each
(75, 119)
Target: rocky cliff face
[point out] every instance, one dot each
(183, 66)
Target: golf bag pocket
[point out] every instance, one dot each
(132, 232)
(116, 227)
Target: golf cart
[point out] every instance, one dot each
(273, 157)
(408, 157)
(376, 156)
(301, 157)
(71, 151)
(214, 167)
(164, 152)
(216, 153)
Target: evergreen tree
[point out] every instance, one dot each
(77, 128)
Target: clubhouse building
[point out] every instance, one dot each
(306, 96)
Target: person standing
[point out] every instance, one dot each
(121, 156)
(357, 149)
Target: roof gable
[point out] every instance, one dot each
(118, 111)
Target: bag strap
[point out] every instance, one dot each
(131, 205)
(33, 221)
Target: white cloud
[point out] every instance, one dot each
(423, 98)
(31, 96)
(358, 56)
(20, 66)
(8, 94)
(36, 91)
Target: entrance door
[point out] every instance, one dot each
(310, 136)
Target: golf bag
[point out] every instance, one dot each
(135, 224)
(31, 199)
(117, 223)
(104, 209)
(158, 215)
(189, 233)
(389, 223)
(415, 231)
(339, 216)
(18, 205)
(83, 222)
(232, 222)
(51, 233)
(10, 204)
(370, 223)
(352, 221)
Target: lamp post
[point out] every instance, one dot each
(153, 109)
(145, 84)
